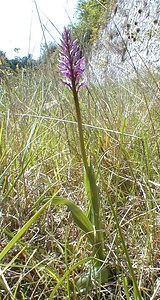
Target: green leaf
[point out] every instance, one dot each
(79, 217)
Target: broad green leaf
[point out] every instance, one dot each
(78, 215)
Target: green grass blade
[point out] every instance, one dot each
(52, 274)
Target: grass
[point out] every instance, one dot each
(40, 157)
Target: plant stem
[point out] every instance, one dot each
(80, 129)
(95, 201)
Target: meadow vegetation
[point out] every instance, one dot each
(43, 251)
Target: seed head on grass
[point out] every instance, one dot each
(71, 64)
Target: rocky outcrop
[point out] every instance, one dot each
(130, 41)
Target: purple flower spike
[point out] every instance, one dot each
(71, 65)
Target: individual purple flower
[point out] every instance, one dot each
(70, 64)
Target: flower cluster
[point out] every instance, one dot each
(71, 64)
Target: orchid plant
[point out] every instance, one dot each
(72, 65)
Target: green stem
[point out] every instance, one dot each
(95, 201)
(80, 129)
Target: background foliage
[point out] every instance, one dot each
(91, 15)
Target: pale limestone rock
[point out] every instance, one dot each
(129, 42)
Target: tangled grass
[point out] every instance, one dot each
(40, 157)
